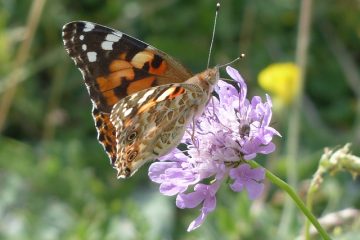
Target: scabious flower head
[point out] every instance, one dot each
(231, 131)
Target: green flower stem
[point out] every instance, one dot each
(284, 186)
(309, 201)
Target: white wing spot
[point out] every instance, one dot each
(163, 96)
(107, 45)
(127, 112)
(84, 47)
(133, 96)
(113, 38)
(81, 37)
(91, 56)
(146, 95)
(89, 27)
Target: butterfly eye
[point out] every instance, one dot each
(131, 155)
(132, 136)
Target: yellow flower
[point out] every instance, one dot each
(282, 80)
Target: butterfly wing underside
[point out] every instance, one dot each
(115, 65)
(152, 128)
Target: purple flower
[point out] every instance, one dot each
(202, 194)
(249, 178)
(231, 131)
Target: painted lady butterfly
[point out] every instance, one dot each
(143, 99)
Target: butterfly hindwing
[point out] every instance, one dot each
(151, 123)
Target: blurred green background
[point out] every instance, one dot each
(55, 179)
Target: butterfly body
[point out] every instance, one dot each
(142, 98)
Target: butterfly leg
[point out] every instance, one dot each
(213, 104)
(192, 134)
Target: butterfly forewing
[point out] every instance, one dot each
(115, 65)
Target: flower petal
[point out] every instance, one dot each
(251, 179)
(170, 189)
(208, 206)
(254, 189)
(189, 200)
(237, 186)
(157, 169)
(197, 222)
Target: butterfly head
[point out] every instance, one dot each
(211, 75)
(206, 79)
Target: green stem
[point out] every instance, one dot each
(309, 201)
(314, 186)
(284, 186)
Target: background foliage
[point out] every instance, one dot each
(55, 179)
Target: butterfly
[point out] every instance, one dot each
(143, 99)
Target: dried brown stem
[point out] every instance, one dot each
(21, 58)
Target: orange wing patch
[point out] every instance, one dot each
(157, 66)
(177, 92)
(120, 71)
(110, 97)
(112, 81)
(128, 77)
(171, 93)
(118, 65)
(140, 84)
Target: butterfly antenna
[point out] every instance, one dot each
(213, 32)
(242, 55)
